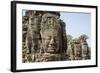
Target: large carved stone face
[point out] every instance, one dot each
(51, 40)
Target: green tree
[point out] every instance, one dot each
(83, 37)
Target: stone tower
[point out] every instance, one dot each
(45, 38)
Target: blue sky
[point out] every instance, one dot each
(77, 24)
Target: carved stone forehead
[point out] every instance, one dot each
(47, 15)
(51, 32)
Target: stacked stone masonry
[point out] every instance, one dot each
(44, 39)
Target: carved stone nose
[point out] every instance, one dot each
(52, 41)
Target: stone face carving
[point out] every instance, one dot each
(78, 49)
(85, 47)
(51, 40)
(44, 39)
(33, 33)
(51, 35)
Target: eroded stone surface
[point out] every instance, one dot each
(45, 39)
